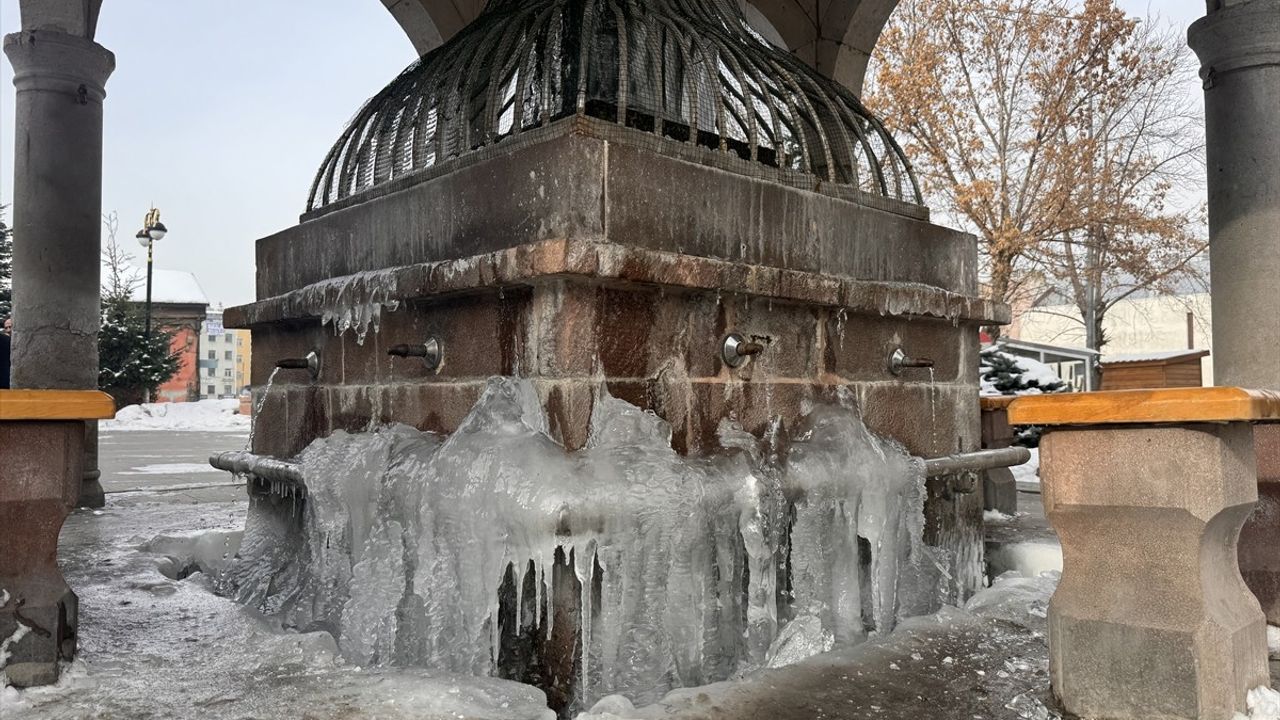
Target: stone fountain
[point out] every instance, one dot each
(646, 203)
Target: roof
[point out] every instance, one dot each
(1077, 353)
(1155, 357)
(176, 287)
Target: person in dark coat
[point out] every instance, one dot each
(5, 349)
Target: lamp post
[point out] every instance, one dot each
(152, 231)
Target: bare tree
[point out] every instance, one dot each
(1055, 131)
(121, 277)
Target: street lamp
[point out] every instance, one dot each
(152, 231)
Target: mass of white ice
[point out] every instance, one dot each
(1263, 704)
(202, 416)
(621, 568)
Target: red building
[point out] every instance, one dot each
(178, 304)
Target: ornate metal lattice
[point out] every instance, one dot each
(690, 70)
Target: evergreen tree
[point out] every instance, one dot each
(6, 267)
(131, 365)
(1008, 374)
(1012, 375)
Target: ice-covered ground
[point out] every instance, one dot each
(202, 416)
(157, 647)
(986, 660)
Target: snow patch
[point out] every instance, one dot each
(202, 416)
(7, 644)
(1028, 559)
(1028, 472)
(1263, 704)
(995, 516)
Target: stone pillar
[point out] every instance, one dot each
(1152, 618)
(1239, 48)
(999, 488)
(38, 485)
(57, 216)
(42, 434)
(1148, 490)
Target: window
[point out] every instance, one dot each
(211, 372)
(213, 354)
(213, 338)
(229, 355)
(226, 389)
(212, 390)
(226, 373)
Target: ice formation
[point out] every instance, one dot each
(352, 302)
(623, 568)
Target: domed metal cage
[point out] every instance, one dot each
(693, 71)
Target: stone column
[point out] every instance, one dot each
(1239, 48)
(1151, 617)
(57, 216)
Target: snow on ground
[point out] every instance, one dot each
(1028, 472)
(153, 646)
(205, 415)
(1028, 559)
(986, 660)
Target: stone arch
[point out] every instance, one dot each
(834, 36)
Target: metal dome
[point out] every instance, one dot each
(692, 71)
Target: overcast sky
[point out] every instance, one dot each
(220, 111)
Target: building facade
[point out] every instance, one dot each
(1141, 325)
(178, 306)
(224, 359)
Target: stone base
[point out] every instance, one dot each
(40, 480)
(91, 492)
(1000, 491)
(1152, 618)
(49, 611)
(1260, 538)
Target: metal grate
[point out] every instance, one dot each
(690, 70)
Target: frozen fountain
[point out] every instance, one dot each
(614, 323)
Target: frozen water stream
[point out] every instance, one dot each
(623, 568)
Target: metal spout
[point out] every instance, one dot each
(431, 352)
(737, 350)
(899, 361)
(310, 363)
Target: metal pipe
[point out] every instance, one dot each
(976, 461)
(431, 352)
(290, 473)
(899, 361)
(310, 363)
(261, 466)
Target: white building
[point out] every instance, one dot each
(223, 358)
(1139, 325)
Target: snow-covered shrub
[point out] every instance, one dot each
(1003, 373)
